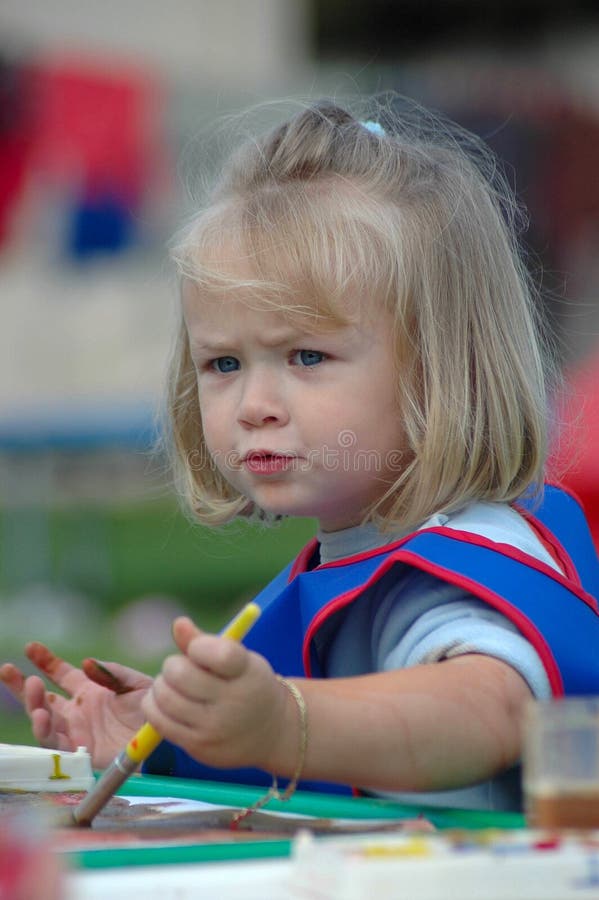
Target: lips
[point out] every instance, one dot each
(266, 462)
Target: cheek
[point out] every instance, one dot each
(212, 425)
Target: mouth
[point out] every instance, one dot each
(265, 462)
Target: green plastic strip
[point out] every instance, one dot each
(183, 853)
(311, 803)
(302, 802)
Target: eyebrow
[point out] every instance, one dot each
(212, 347)
(217, 345)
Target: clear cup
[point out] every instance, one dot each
(561, 763)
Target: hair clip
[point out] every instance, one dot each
(374, 128)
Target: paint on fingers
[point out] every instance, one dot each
(100, 674)
(13, 679)
(46, 661)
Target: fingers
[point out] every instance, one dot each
(45, 711)
(35, 694)
(182, 676)
(30, 691)
(102, 675)
(41, 726)
(14, 680)
(57, 670)
(200, 676)
(177, 728)
(61, 673)
(119, 679)
(36, 697)
(51, 731)
(173, 704)
(184, 631)
(219, 655)
(42, 707)
(42, 657)
(222, 656)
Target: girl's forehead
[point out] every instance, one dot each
(214, 328)
(213, 320)
(215, 311)
(230, 277)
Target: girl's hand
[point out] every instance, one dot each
(218, 701)
(101, 709)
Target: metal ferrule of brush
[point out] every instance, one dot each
(110, 781)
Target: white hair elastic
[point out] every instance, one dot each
(374, 128)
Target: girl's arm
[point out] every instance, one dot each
(429, 727)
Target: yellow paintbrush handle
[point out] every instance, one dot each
(143, 743)
(147, 738)
(243, 621)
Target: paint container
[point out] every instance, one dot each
(24, 768)
(561, 763)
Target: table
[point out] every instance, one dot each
(473, 855)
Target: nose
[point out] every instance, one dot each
(262, 400)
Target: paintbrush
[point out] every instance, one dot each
(145, 741)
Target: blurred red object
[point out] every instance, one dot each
(29, 870)
(16, 140)
(84, 139)
(97, 122)
(574, 460)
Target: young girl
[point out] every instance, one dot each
(358, 344)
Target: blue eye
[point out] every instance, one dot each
(308, 357)
(225, 364)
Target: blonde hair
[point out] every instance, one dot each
(324, 206)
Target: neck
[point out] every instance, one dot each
(351, 541)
